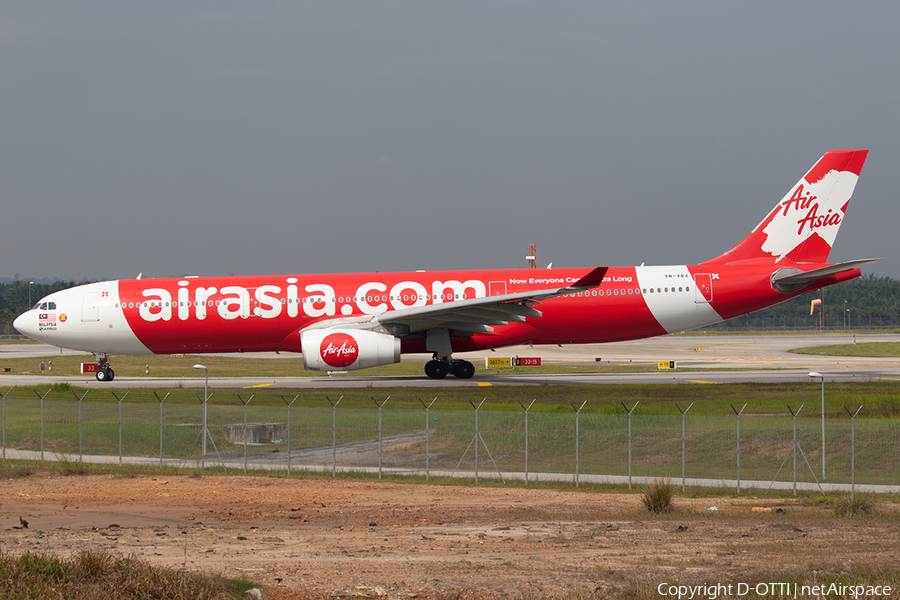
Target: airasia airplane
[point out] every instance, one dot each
(361, 320)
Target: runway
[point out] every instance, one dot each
(709, 359)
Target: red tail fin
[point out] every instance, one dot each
(802, 227)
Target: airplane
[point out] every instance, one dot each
(361, 320)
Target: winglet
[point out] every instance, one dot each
(591, 280)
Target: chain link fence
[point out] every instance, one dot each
(475, 441)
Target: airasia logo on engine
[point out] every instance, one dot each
(339, 350)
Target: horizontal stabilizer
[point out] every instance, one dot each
(791, 280)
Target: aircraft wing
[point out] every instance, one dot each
(471, 315)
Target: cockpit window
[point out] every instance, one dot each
(44, 306)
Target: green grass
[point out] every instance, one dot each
(766, 427)
(867, 349)
(881, 398)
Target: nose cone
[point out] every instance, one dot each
(26, 324)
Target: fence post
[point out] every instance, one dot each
(477, 434)
(852, 452)
(203, 430)
(289, 404)
(80, 453)
(629, 437)
(794, 414)
(120, 420)
(42, 418)
(577, 439)
(4, 421)
(427, 438)
(683, 416)
(526, 434)
(161, 424)
(245, 426)
(380, 406)
(738, 444)
(334, 433)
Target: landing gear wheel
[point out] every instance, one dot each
(105, 374)
(436, 369)
(464, 369)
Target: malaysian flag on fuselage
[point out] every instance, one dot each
(42, 317)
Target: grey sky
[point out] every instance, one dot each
(212, 138)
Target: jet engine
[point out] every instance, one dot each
(347, 349)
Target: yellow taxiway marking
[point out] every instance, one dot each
(703, 348)
(260, 385)
(700, 381)
(483, 383)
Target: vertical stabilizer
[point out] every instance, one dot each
(803, 225)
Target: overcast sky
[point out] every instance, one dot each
(216, 138)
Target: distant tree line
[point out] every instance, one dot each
(863, 303)
(16, 295)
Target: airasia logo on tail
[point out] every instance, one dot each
(808, 209)
(339, 350)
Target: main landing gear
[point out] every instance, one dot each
(104, 372)
(437, 340)
(438, 368)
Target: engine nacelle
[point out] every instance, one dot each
(347, 349)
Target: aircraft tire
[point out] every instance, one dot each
(464, 370)
(436, 369)
(105, 374)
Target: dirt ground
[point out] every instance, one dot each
(363, 538)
